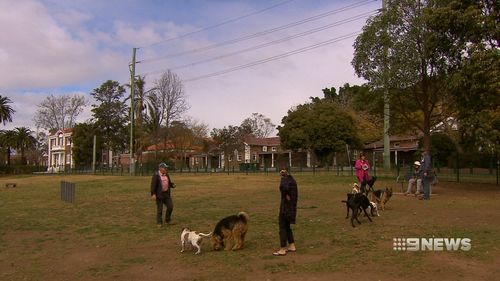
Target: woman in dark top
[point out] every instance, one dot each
(288, 213)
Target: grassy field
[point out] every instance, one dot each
(110, 232)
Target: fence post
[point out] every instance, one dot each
(498, 164)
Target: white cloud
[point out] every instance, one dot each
(63, 49)
(41, 53)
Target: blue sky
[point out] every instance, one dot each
(71, 47)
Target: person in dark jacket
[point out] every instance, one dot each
(161, 186)
(288, 213)
(426, 174)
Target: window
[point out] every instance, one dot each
(396, 144)
(264, 148)
(68, 159)
(254, 158)
(273, 148)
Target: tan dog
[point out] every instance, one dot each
(355, 188)
(382, 196)
(229, 233)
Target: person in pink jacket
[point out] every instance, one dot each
(362, 166)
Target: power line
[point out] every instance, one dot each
(294, 52)
(267, 44)
(261, 33)
(219, 24)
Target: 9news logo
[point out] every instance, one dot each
(431, 244)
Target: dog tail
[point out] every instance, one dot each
(205, 235)
(244, 216)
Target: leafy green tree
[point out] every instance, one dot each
(7, 142)
(322, 126)
(468, 36)
(23, 140)
(6, 110)
(83, 144)
(396, 51)
(442, 147)
(110, 115)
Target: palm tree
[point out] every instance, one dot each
(7, 142)
(6, 110)
(24, 140)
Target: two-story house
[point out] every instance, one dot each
(60, 153)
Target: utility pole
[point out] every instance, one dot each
(94, 151)
(132, 111)
(387, 125)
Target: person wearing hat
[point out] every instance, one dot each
(161, 186)
(414, 181)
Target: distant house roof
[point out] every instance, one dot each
(272, 141)
(407, 142)
(64, 131)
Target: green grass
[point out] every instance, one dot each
(110, 232)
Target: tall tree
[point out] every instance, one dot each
(169, 95)
(321, 126)
(59, 112)
(24, 140)
(396, 51)
(110, 115)
(83, 144)
(259, 125)
(6, 110)
(7, 142)
(228, 139)
(468, 38)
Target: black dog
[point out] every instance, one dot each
(370, 183)
(356, 202)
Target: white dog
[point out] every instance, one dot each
(374, 209)
(193, 238)
(355, 188)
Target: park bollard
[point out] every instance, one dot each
(68, 192)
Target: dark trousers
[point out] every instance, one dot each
(426, 185)
(286, 234)
(167, 201)
(363, 187)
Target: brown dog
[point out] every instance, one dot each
(382, 196)
(229, 233)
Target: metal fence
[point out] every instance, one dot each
(465, 167)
